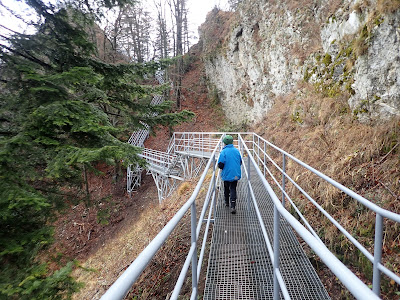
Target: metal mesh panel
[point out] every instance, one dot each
(239, 266)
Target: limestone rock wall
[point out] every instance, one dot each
(265, 48)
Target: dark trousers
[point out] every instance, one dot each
(230, 192)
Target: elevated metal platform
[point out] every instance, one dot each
(184, 159)
(239, 266)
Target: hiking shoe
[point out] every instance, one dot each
(233, 210)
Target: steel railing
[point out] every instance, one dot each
(351, 281)
(202, 142)
(259, 149)
(158, 159)
(138, 138)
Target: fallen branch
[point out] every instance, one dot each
(383, 158)
(389, 190)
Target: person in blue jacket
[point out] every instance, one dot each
(229, 162)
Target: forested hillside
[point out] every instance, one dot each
(64, 109)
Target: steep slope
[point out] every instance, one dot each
(196, 98)
(363, 157)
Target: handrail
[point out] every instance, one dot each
(370, 205)
(351, 281)
(138, 138)
(380, 212)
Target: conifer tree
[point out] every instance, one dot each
(53, 127)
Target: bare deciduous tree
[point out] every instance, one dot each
(161, 44)
(136, 27)
(179, 12)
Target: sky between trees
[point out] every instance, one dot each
(197, 12)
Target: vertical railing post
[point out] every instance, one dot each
(128, 180)
(258, 151)
(283, 178)
(253, 144)
(242, 143)
(214, 184)
(175, 146)
(276, 251)
(265, 163)
(248, 181)
(376, 279)
(194, 241)
(202, 141)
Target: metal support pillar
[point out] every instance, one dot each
(276, 252)
(376, 279)
(194, 243)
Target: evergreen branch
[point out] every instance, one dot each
(6, 133)
(27, 56)
(13, 31)
(53, 192)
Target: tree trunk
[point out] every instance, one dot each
(117, 172)
(86, 183)
(179, 8)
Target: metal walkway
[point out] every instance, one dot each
(186, 156)
(134, 172)
(254, 254)
(239, 266)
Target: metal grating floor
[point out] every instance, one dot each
(239, 266)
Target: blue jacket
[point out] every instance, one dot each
(229, 161)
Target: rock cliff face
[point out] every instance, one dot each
(264, 49)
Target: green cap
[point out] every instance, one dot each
(228, 140)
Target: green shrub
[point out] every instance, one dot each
(327, 60)
(37, 282)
